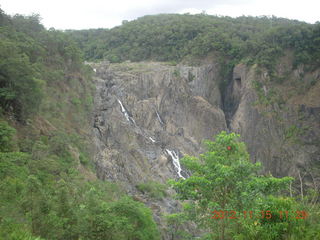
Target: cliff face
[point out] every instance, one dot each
(278, 120)
(145, 112)
(147, 115)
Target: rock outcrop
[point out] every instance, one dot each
(144, 111)
(278, 121)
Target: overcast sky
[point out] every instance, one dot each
(79, 14)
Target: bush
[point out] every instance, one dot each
(6, 137)
(20, 89)
(224, 179)
(11, 231)
(153, 189)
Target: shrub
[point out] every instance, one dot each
(153, 189)
(6, 137)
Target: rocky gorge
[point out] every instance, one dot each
(149, 114)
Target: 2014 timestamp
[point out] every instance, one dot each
(220, 214)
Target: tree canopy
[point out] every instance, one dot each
(29, 55)
(44, 86)
(173, 37)
(228, 195)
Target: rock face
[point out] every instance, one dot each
(145, 111)
(281, 127)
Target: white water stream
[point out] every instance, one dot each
(125, 113)
(172, 153)
(176, 162)
(159, 118)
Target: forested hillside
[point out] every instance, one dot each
(268, 75)
(52, 118)
(173, 37)
(48, 187)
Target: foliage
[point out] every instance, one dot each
(43, 195)
(224, 179)
(31, 58)
(124, 219)
(172, 37)
(153, 189)
(47, 92)
(176, 223)
(19, 88)
(6, 137)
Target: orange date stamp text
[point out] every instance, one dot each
(267, 214)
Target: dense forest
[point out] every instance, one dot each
(174, 37)
(48, 189)
(48, 186)
(190, 38)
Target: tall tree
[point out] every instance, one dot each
(226, 193)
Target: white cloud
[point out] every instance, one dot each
(71, 14)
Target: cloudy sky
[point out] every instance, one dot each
(79, 14)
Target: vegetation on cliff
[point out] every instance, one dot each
(175, 37)
(48, 187)
(228, 197)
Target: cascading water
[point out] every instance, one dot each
(131, 120)
(176, 162)
(125, 113)
(159, 118)
(173, 154)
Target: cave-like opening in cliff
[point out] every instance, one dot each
(238, 81)
(231, 98)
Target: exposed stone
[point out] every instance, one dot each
(176, 108)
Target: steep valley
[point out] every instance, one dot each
(156, 128)
(145, 110)
(178, 107)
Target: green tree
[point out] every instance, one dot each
(122, 219)
(153, 189)
(19, 87)
(223, 180)
(176, 226)
(6, 137)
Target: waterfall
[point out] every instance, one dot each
(159, 118)
(172, 153)
(125, 113)
(176, 162)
